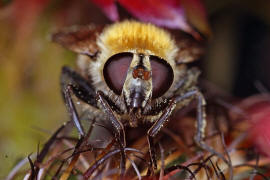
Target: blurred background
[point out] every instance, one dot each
(31, 107)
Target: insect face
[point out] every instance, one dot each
(137, 89)
(138, 78)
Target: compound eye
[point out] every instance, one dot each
(162, 76)
(115, 71)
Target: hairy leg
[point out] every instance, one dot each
(73, 83)
(181, 101)
(118, 128)
(72, 110)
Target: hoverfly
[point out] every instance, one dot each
(130, 73)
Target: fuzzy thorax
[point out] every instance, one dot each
(139, 37)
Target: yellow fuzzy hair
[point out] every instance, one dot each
(141, 37)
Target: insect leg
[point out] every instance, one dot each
(152, 132)
(201, 125)
(74, 83)
(72, 110)
(180, 100)
(117, 125)
(201, 120)
(82, 89)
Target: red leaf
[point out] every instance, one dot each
(196, 16)
(167, 13)
(109, 8)
(258, 113)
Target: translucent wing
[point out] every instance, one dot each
(79, 39)
(190, 49)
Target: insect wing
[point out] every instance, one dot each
(79, 39)
(189, 48)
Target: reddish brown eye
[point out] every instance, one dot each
(115, 71)
(162, 76)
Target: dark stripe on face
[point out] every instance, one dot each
(141, 56)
